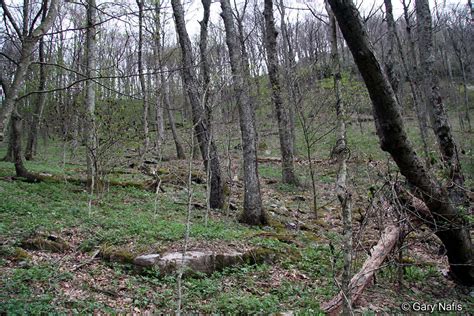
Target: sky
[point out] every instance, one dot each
(298, 8)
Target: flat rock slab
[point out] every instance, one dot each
(146, 260)
(200, 261)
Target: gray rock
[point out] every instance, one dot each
(200, 261)
(146, 260)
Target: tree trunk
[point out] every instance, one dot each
(141, 76)
(417, 103)
(391, 66)
(420, 108)
(253, 212)
(200, 120)
(286, 149)
(16, 126)
(448, 223)
(160, 120)
(166, 99)
(91, 137)
(30, 149)
(342, 154)
(435, 104)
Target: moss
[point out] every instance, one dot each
(260, 255)
(45, 242)
(408, 260)
(21, 254)
(116, 254)
(272, 222)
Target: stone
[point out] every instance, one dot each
(201, 261)
(146, 260)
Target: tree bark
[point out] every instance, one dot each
(160, 121)
(391, 66)
(284, 132)
(415, 93)
(420, 108)
(201, 122)
(449, 225)
(146, 143)
(16, 126)
(91, 137)
(435, 104)
(342, 154)
(30, 149)
(290, 67)
(253, 212)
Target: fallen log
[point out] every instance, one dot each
(363, 278)
(278, 160)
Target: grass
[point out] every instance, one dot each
(125, 218)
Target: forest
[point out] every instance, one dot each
(236, 157)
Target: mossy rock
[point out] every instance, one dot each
(262, 146)
(116, 254)
(42, 241)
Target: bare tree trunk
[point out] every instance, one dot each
(342, 154)
(160, 121)
(141, 76)
(16, 126)
(391, 66)
(166, 99)
(253, 212)
(286, 149)
(435, 104)
(91, 140)
(30, 149)
(420, 108)
(448, 223)
(200, 120)
(417, 103)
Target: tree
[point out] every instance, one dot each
(341, 153)
(284, 131)
(253, 211)
(28, 37)
(447, 221)
(91, 136)
(201, 121)
(435, 104)
(30, 149)
(141, 75)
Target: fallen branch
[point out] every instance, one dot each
(363, 278)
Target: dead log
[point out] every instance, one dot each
(363, 278)
(278, 160)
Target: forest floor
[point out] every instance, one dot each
(128, 220)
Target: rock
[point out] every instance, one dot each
(146, 260)
(202, 261)
(292, 226)
(195, 261)
(299, 198)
